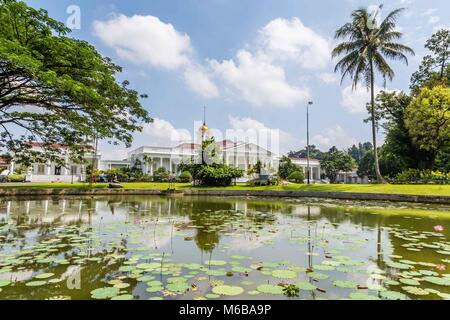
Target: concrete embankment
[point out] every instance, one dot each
(37, 192)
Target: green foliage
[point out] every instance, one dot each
(422, 177)
(286, 167)
(427, 119)
(15, 178)
(161, 175)
(435, 68)
(335, 161)
(217, 174)
(71, 87)
(297, 177)
(291, 290)
(314, 153)
(185, 177)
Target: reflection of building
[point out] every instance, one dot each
(351, 177)
(314, 167)
(51, 171)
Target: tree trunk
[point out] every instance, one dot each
(380, 178)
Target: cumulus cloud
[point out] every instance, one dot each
(356, 100)
(335, 136)
(200, 82)
(149, 41)
(145, 40)
(162, 133)
(258, 81)
(328, 78)
(291, 40)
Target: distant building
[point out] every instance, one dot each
(240, 154)
(351, 177)
(52, 171)
(314, 167)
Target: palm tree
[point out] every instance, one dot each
(365, 48)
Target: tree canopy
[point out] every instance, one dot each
(58, 90)
(336, 161)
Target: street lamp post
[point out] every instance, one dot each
(307, 140)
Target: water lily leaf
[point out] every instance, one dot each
(362, 296)
(154, 289)
(393, 295)
(270, 289)
(227, 290)
(104, 293)
(178, 286)
(306, 286)
(215, 262)
(284, 274)
(123, 297)
(416, 291)
(398, 265)
(212, 296)
(410, 282)
(345, 284)
(317, 275)
(437, 280)
(35, 283)
(44, 275)
(4, 283)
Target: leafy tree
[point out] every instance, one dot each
(185, 176)
(58, 89)
(286, 167)
(435, 67)
(258, 167)
(161, 175)
(365, 48)
(297, 177)
(357, 152)
(335, 161)
(313, 153)
(427, 119)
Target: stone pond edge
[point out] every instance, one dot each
(22, 192)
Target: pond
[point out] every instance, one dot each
(148, 247)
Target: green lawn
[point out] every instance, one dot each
(438, 190)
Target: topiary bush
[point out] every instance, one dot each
(15, 178)
(296, 177)
(185, 177)
(161, 175)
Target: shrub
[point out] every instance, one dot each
(296, 177)
(185, 177)
(217, 174)
(422, 177)
(16, 178)
(161, 175)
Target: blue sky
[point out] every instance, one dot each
(253, 63)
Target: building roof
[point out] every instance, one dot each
(305, 160)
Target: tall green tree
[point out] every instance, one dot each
(366, 46)
(55, 89)
(427, 119)
(435, 67)
(336, 161)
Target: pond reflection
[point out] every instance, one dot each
(148, 247)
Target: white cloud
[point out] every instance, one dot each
(355, 101)
(434, 19)
(335, 136)
(162, 133)
(291, 40)
(145, 40)
(328, 78)
(199, 81)
(258, 81)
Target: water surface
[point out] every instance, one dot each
(148, 247)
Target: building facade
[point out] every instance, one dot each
(238, 154)
(314, 168)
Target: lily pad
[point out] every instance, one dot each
(345, 284)
(284, 274)
(44, 275)
(393, 295)
(270, 289)
(228, 290)
(306, 286)
(362, 296)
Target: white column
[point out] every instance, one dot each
(170, 165)
(48, 168)
(11, 167)
(66, 166)
(160, 162)
(151, 166)
(318, 170)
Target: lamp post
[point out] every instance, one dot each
(307, 140)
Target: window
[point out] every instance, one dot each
(73, 170)
(41, 169)
(57, 170)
